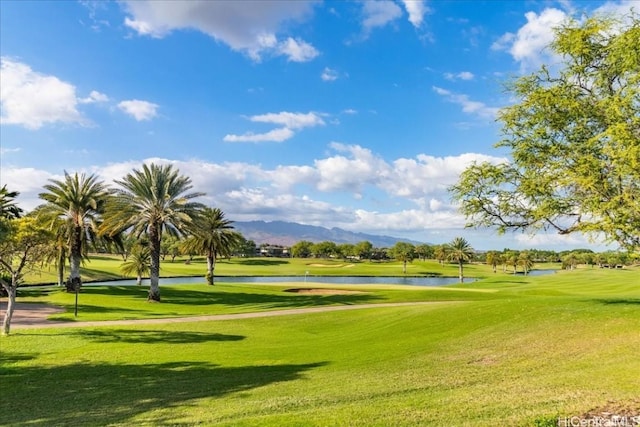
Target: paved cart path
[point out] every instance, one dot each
(32, 316)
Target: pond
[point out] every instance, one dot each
(337, 280)
(344, 280)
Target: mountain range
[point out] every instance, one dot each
(288, 233)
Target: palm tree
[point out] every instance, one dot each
(150, 201)
(493, 259)
(405, 252)
(138, 263)
(526, 261)
(440, 253)
(79, 200)
(8, 207)
(213, 235)
(459, 250)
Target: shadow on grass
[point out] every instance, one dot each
(211, 296)
(261, 261)
(620, 301)
(13, 358)
(151, 336)
(102, 394)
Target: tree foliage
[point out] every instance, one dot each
(213, 235)
(574, 138)
(22, 247)
(150, 201)
(404, 252)
(459, 251)
(79, 201)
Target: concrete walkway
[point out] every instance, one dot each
(34, 316)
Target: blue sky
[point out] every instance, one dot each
(356, 115)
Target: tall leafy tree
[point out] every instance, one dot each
(213, 235)
(150, 201)
(459, 251)
(403, 252)
(364, 249)
(79, 200)
(22, 247)
(302, 249)
(574, 138)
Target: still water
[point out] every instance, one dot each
(342, 280)
(350, 280)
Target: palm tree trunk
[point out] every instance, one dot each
(211, 265)
(460, 272)
(154, 273)
(61, 260)
(139, 279)
(75, 259)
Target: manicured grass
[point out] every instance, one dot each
(524, 351)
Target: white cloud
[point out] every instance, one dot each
(379, 13)
(416, 10)
(469, 106)
(307, 193)
(350, 111)
(94, 97)
(250, 27)
(464, 75)
(528, 45)
(297, 50)
(33, 99)
(329, 75)
(139, 110)
(350, 173)
(288, 121)
(408, 220)
(275, 135)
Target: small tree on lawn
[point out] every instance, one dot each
(23, 244)
(405, 252)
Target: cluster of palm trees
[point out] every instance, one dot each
(458, 250)
(513, 259)
(146, 203)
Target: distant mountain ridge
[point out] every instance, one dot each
(288, 233)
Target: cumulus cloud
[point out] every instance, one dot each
(250, 27)
(378, 14)
(32, 99)
(469, 106)
(413, 189)
(139, 110)
(288, 121)
(94, 97)
(416, 10)
(528, 45)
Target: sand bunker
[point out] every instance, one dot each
(320, 291)
(332, 265)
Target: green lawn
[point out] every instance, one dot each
(509, 350)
